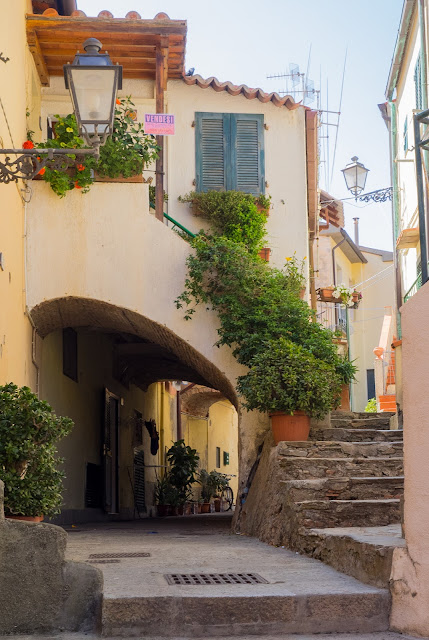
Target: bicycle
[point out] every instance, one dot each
(227, 494)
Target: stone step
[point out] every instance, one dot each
(319, 514)
(305, 468)
(362, 423)
(328, 449)
(358, 414)
(344, 488)
(341, 434)
(190, 613)
(362, 552)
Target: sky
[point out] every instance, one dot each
(245, 41)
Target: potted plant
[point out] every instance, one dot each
(295, 278)
(122, 158)
(163, 496)
(347, 370)
(208, 482)
(222, 481)
(292, 385)
(183, 461)
(29, 431)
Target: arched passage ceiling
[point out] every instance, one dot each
(156, 353)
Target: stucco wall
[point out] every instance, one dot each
(410, 570)
(285, 154)
(18, 77)
(365, 322)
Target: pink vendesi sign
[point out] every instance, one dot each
(160, 124)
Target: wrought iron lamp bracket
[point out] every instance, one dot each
(381, 195)
(31, 161)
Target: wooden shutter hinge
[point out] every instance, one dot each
(266, 127)
(193, 123)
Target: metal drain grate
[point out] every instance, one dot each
(123, 554)
(105, 561)
(214, 578)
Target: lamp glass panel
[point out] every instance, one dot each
(94, 89)
(355, 177)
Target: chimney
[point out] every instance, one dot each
(356, 223)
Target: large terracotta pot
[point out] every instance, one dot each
(163, 510)
(345, 398)
(290, 428)
(26, 518)
(205, 507)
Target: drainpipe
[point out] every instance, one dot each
(395, 209)
(333, 260)
(356, 223)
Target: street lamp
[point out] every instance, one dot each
(93, 81)
(355, 174)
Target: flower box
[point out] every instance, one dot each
(326, 294)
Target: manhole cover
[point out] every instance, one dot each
(214, 578)
(105, 561)
(123, 554)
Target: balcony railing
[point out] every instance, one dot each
(414, 288)
(332, 316)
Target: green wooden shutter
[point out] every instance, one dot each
(247, 153)
(406, 134)
(211, 150)
(229, 152)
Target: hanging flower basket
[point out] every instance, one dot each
(326, 294)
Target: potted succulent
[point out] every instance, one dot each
(29, 431)
(292, 385)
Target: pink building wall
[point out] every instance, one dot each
(410, 569)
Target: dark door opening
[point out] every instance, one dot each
(111, 452)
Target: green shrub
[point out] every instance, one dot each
(29, 431)
(232, 214)
(286, 377)
(371, 407)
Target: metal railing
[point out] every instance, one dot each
(174, 222)
(332, 316)
(414, 288)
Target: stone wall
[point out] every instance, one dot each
(39, 591)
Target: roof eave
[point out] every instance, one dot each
(400, 46)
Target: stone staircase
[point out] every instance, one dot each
(342, 493)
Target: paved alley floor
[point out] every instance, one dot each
(198, 544)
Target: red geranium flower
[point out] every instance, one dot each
(118, 101)
(80, 167)
(42, 171)
(77, 185)
(28, 145)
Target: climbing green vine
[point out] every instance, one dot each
(263, 320)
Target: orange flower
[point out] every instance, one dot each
(42, 171)
(28, 145)
(77, 185)
(80, 167)
(118, 101)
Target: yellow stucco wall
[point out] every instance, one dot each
(365, 322)
(19, 89)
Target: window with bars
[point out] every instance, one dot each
(418, 84)
(229, 152)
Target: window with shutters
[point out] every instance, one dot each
(230, 152)
(418, 84)
(406, 134)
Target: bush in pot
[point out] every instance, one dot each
(29, 431)
(286, 378)
(183, 461)
(209, 484)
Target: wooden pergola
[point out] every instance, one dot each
(147, 49)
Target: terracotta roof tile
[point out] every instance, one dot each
(235, 90)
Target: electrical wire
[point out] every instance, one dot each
(339, 110)
(374, 276)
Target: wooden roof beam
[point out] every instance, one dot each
(39, 60)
